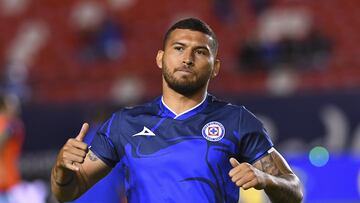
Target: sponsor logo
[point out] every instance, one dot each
(213, 131)
(145, 132)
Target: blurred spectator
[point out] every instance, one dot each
(127, 90)
(15, 80)
(100, 36)
(259, 6)
(224, 10)
(317, 48)
(13, 7)
(30, 38)
(11, 140)
(285, 38)
(121, 4)
(250, 57)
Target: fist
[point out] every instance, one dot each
(246, 176)
(74, 151)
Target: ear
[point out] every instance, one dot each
(216, 69)
(159, 58)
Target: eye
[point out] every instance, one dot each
(178, 48)
(201, 52)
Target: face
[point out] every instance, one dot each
(187, 62)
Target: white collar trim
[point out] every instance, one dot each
(177, 115)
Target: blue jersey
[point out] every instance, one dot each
(181, 158)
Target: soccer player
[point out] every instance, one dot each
(185, 146)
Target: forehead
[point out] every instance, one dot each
(187, 36)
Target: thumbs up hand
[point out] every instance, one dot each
(74, 151)
(246, 175)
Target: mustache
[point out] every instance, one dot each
(185, 68)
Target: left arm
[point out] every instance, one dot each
(271, 173)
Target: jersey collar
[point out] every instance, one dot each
(165, 111)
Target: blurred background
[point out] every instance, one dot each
(294, 63)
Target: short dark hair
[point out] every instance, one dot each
(193, 24)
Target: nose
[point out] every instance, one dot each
(188, 58)
(188, 62)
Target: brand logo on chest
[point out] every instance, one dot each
(145, 132)
(213, 131)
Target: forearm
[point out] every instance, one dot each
(76, 169)
(281, 184)
(65, 184)
(284, 188)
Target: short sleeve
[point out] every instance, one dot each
(254, 139)
(105, 145)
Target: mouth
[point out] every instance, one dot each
(184, 69)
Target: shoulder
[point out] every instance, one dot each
(226, 106)
(244, 116)
(145, 108)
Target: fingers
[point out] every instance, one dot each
(234, 162)
(70, 155)
(243, 175)
(71, 166)
(239, 172)
(73, 158)
(250, 184)
(236, 166)
(74, 151)
(74, 143)
(83, 131)
(242, 180)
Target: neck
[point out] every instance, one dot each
(180, 103)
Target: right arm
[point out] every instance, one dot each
(76, 169)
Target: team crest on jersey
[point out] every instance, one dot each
(213, 131)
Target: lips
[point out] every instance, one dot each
(186, 69)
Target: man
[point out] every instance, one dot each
(185, 146)
(11, 139)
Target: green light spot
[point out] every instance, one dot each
(319, 156)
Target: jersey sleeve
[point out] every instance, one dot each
(105, 143)
(254, 139)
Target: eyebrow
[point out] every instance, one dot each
(197, 47)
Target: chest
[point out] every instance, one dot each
(194, 143)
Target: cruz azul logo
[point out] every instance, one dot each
(213, 131)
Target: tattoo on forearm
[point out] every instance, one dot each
(92, 156)
(288, 189)
(267, 165)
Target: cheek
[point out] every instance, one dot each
(169, 63)
(206, 67)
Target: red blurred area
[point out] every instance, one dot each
(58, 76)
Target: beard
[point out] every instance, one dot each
(186, 85)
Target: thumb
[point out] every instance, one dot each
(234, 162)
(82, 133)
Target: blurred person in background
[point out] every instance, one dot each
(100, 36)
(11, 140)
(285, 38)
(224, 10)
(186, 146)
